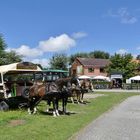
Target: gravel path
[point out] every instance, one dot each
(122, 123)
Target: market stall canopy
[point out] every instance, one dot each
(84, 77)
(136, 78)
(100, 77)
(19, 67)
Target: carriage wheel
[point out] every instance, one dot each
(25, 93)
(4, 106)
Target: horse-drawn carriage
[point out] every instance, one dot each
(25, 84)
(14, 78)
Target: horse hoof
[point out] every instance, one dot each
(34, 112)
(57, 113)
(30, 113)
(47, 110)
(64, 113)
(54, 114)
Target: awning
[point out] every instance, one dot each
(100, 77)
(84, 77)
(136, 78)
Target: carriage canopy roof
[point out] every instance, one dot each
(20, 67)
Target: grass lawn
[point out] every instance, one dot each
(18, 125)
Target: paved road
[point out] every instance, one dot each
(116, 90)
(122, 123)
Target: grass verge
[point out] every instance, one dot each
(17, 124)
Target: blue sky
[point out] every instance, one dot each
(39, 28)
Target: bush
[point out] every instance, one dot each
(101, 84)
(131, 86)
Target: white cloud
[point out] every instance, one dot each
(59, 43)
(28, 52)
(121, 51)
(53, 44)
(9, 49)
(124, 16)
(79, 35)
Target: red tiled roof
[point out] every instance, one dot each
(94, 62)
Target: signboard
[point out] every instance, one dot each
(115, 76)
(26, 65)
(128, 81)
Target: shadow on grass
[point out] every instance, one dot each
(50, 112)
(75, 102)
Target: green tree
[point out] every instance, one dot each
(59, 61)
(95, 54)
(74, 56)
(12, 57)
(138, 57)
(138, 69)
(124, 64)
(2, 43)
(7, 57)
(2, 47)
(99, 54)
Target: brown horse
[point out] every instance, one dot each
(76, 89)
(62, 94)
(53, 92)
(64, 91)
(52, 95)
(72, 86)
(43, 91)
(35, 95)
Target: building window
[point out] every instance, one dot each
(102, 70)
(79, 69)
(90, 70)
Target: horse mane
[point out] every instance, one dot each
(67, 82)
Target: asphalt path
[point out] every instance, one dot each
(117, 90)
(120, 123)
